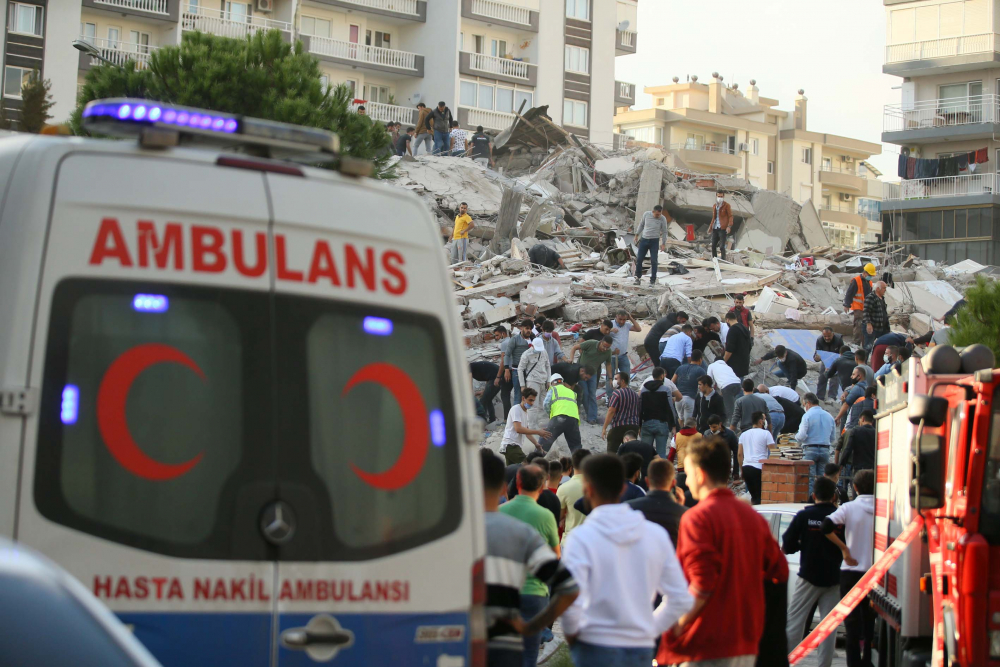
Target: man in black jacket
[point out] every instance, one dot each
(842, 369)
(859, 451)
(657, 416)
(790, 362)
(793, 415)
(819, 568)
(652, 340)
(739, 342)
(707, 403)
(662, 505)
(717, 429)
(490, 373)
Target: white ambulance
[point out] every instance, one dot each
(234, 397)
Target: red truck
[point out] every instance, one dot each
(938, 459)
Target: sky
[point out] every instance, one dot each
(834, 51)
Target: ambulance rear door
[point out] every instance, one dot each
(379, 570)
(149, 465)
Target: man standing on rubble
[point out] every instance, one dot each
(854, 300)
(593, 354)
(624, 324)
(624, 408)
(743, 314)
(534, 371)
(686, 378)
(481, 148)
(722, 220)
(424, 135)
(441, 122)
(815, 435)
(876, 313)
(552, 347)
(564, 415)
(460, 237)
(651, 234)
(600, 332)
(739, 344)
(517, 345)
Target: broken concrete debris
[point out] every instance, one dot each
(583, 203)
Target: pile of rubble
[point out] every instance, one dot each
(552, 188)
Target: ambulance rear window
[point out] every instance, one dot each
(144, 418)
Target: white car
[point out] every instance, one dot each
(49, 618)
(779, 516)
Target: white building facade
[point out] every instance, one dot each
(484, 58)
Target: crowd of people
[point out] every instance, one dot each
(662, 496)
(437, 132)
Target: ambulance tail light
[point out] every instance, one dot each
(477, 615)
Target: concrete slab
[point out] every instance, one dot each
(932, 297)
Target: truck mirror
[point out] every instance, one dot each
(932, 410)
(927, 478)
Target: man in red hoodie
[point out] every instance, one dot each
(727, 552)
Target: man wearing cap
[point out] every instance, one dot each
(564, 415)
(854, 300)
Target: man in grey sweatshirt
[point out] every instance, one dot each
(652, 228)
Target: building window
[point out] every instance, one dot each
(480, 43)
(475, 95)
(770, 167)
(25, 19)
(575, 113)
(485, 97)
(578, 9)
(373, 93)
(522, 96)
(88, 33)
(498, 48)
(827, 164)
(863, 170)
(15, 78)
(382, 39)
(754, 146)
(315, 27)
(241, 12)
(577, 59)
(140, 39)
(324, 82)
(648, 135)
(114, 37)
(807, 155)
(505, 99)
(461, 41)
(659, 101)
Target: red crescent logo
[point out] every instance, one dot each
(111, 399)
(416, 426)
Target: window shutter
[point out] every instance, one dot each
(902, 26)
(927, 23)
(951, 19)
(976, 17)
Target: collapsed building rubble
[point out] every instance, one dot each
(584, 202)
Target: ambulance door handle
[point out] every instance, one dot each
(301, 638)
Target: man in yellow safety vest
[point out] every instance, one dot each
(564, 415)
(854, 301)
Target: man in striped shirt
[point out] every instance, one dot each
(624, 408)
(515, 550)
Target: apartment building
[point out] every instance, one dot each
(717, 128)
(947, 55)
(485, 58)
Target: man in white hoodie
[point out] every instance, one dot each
(620, 561)
(858, 519)
(534, 371)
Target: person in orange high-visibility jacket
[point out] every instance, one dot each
(854, 301)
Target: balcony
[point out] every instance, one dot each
(117, 52)
(625, 42)
(390, 113)
(624, 94)
(714, 156)
(941, 120)
(153, 10)
(842, 213)
(499, 69)
(490, 120)
(376, 58)
(227, 24)
(844, 178)
(494, 12)
(952, 54)
(407, 10)
(941, 192)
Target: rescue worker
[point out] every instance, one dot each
(854, 300)
(876, 313)
(564, 415)
(533, 371)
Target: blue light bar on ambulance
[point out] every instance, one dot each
(150, 303)
(128, 117)
(378, 326)
(438, 436)
(70, 408)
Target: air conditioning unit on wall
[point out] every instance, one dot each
(845, 197)
(265, 5)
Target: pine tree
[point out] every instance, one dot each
(260, 76)
(978, 321)
(36, 100)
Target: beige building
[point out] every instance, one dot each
(717, 128)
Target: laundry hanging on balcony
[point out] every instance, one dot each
(954, 165)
